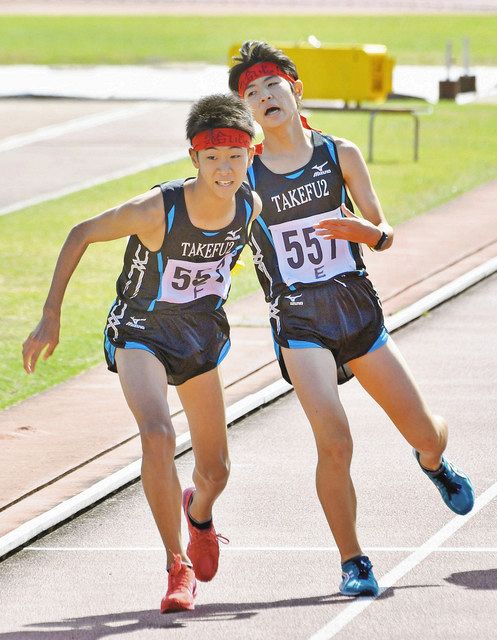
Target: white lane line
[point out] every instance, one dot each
(70, 126)
(368, 549)
(99, 490)
(127, 474)
(399, 571)
(447, 291)
(32, 528)
(273, 549)
(171, 156)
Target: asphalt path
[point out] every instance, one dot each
(102, 574)
(52, 147)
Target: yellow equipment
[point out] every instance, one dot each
(353, 73)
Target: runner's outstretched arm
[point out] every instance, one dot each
(143, 216)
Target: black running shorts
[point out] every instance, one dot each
(344, 315)
(187, 344)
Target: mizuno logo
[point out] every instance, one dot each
(319, 167)
(293, 300)
(135, 323)
(233, 235)
(320, 170)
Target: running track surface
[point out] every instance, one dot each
(102, 575)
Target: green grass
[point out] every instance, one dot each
(458, 152)
(410, 39)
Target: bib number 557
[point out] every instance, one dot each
(303, 243)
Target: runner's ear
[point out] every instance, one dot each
(251, 152)
(194, 157)
(298, 88)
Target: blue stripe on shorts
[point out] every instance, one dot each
(111, 350)
(380, 340)
(224, 352)
(138, 345)
(303, 344)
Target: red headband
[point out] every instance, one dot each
(260, 70)
(221, 138)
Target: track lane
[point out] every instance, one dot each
(270, 502)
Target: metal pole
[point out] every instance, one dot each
(465, 55)
(372, 116)
(448, 57)
(416, 137)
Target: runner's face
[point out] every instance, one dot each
(222, 169)
(271, 100)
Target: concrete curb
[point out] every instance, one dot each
(37, 526)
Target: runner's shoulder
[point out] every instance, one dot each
(349, 154)
(257, 205)
(345, 146)
(150, 206)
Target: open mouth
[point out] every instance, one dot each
(224, 183)
(270, 110)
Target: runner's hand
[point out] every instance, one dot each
(351, 228)
(46, 335)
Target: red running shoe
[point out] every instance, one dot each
(181, 588)
(203, 548)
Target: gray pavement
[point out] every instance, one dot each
(188, 82)
(53, 147)
(132, 118)
(76, 449)
(102, 574)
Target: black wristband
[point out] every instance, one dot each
(381, 241)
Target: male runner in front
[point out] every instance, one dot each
(167, 325)
(325, 314)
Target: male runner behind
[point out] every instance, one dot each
(324, 312)
(167, 324)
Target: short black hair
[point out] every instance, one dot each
(219, 110)
(252, 52)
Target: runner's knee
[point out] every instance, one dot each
(158, 438)
(335, 449)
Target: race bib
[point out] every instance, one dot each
(184, 281)
(306, 257)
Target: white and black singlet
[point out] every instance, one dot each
(169, 302)
(287, 252)
(317, 289)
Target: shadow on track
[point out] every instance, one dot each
(95, 627)
(481, 579)
(115, 624)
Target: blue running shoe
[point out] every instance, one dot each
(358, 578)
(454, 486)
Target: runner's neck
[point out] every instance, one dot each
(288, 147)
(205, 209)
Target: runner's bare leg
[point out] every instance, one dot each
(203, 401)
(313, 374)
(144, 383)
